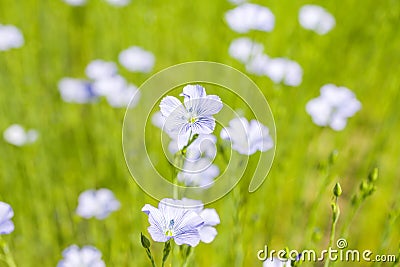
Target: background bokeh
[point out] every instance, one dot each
(80, 145)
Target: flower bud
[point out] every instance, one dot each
(337, 190)
(373, 175)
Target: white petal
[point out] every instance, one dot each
(207, 234)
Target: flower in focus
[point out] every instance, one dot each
(76, 91)
(248, 17)
(244, 49)
(10, 37)
(16, 135)
(97, 203)
(118, 2)
(316, 18)
(194, 116)
(6, 213)
(136, 59)
(87, 256)
(274, 262)
(200, 172)
(171, 220)
(100, 69)
(210, 217)
(333, 107)
(75, 2)
(247, 137)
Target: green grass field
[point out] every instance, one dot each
(80, 147)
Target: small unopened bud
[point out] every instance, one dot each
(145, 242)
(364, 186)
(373, 175)
(337, 190)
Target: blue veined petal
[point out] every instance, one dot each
(189, 236)
(157, 235)
(156, 218)
(170, 104)
(207, 234)
(210, 217)
(203, 125)
(205, 106)
(193, 91)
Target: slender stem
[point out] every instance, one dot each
(8, 258)
(335, 218)
(187, 257)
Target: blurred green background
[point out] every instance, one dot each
(80, 145)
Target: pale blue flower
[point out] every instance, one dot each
(284, 70)
(210, 217)
(333, 107)
(316, 18)
(275, 262)
(87, 256)
(6, 213)
(248, 17)
(100, 69)
(200, 172)
(76, 91)
(97, 203)
(16, 135)
(244, 49)
(203, 146)
(194, 116)
(136, 59)
(171, 220)
(247, 137)
(10, 37)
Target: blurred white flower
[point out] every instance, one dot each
(244, 49)
(16, 135)
(247, 137)
(248, 17)
(136, 59)
(333, 107)
(275, 262)
(6, 213)
(76, 91)
(97, 203)
(109, 85)
(129, 95)
(210, 217)
(258, 65)
(316, 18)
(119, 2)
(203, 146)
(198, 173)
(88, 256)
(284, 70)
(10, 37)
(100, 69)
(75, 2)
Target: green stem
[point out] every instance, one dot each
(335, 217)
(8, 258)
(188, 256)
